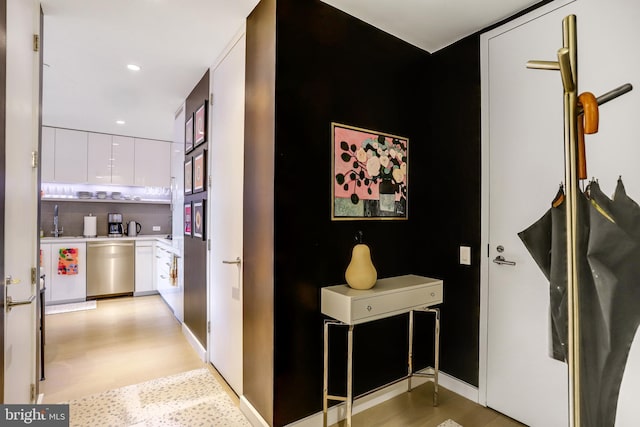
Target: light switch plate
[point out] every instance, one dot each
(465, 255)
(156, 228)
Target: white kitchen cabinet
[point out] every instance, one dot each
(163, 259)
(152, 163)
(145, 268)
(99, 158)
(171, 291)
(122, 160)
(67, 287)
(70, 157)
(110, 159)
(78, 157)
(47, 154)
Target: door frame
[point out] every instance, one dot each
(39, 295)
(3, 117)
(485, 189)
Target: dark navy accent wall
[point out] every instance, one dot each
(331, 67)
(195, 249)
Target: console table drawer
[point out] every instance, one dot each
(388, 297)
(384, 305)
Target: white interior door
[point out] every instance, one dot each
(225, 205)
(523, 166)
(526, 157)
(20, 219)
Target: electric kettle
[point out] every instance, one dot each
(133, 228)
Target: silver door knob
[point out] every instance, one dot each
(501, 261)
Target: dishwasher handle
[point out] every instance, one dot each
(103, 244)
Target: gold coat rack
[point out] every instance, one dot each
(567, 64)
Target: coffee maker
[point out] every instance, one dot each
(115, 225)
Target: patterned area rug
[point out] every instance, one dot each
(65, 308)
(449, 423)
(193, 398)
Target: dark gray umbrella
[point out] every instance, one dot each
(608, 263)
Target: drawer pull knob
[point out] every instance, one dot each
(433, 294)
(368, 308)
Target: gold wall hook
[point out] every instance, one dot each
(543, 65)
(564, 62)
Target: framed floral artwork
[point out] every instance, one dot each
(198, 219)
(199, 171)
(188, 176)
(187, 219)
(188, 134)
(200, 130)
(369, 178)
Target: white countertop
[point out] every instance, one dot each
(161, 238)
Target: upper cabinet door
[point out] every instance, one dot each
(99, 158)
(122, 160)
(71, 156)
(47, 154)
(152, 163)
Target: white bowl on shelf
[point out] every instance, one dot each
(101, 194)
(116, 195)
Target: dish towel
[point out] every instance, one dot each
(68, 261)
(173, 274)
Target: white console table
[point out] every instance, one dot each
(389, 297)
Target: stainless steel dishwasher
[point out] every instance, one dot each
(110, 268)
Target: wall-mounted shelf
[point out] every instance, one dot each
(94, 200)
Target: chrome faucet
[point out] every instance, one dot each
(56, 232)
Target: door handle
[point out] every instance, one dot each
(235, 261)
(11, 303)
(501, 261)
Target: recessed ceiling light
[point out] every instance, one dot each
(120, 122)
(133, 67)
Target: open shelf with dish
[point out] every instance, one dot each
(106, 200)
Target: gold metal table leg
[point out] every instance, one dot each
(349, 374)
(325, 377)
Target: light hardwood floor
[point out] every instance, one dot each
(124, 341)
(130, 340)
(415, 409)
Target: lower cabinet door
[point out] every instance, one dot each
(144, 268)
(68, 272)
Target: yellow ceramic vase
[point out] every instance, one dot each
(361, 274)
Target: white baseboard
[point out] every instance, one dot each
(338, 412)
(457, 386)
(252, 414)
(202, 352)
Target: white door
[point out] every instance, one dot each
(20, 220)
(227, 164)
(523, 159)
(523, 166)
